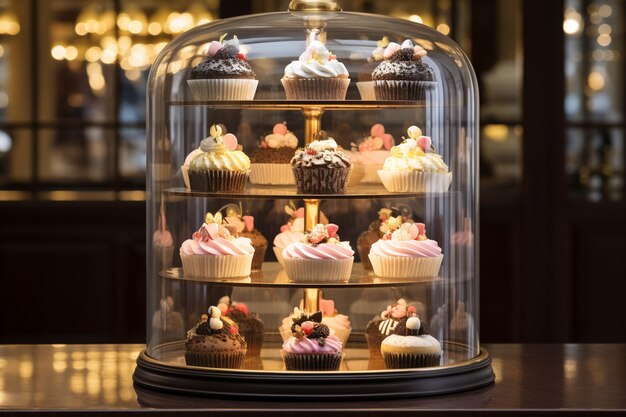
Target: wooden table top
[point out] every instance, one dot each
(530, 378)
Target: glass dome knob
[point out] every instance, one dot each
(314, 6)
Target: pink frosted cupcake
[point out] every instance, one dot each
(319, 257)
(214, 253)
(293, 230)
(311, 346)
(373, 151)
(415, 166)
(406, 253)
(339, 324)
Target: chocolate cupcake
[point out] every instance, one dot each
(250, 326)
(311, 346)
(223, 74)
(220, 167)
(214, 343)
(403, 75)
(410, 346)
(384, 324)
(243, 226)
(320, 168)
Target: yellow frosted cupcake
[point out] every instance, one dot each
(414, 166)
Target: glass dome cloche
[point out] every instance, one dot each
(312, 213)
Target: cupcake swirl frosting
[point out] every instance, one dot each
(415, 154)
(214, 239)
(311, 346)
(408, 240)
(321, 242)
(219, 153)
(316, 62)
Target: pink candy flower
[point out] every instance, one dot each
(332, 229)
(249, 222)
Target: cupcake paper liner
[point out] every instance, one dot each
(366, 90)
(321, 180)
(185, 171)
(312, 362)
(279, 256)
(406, 267)
(271, 174)
(215, 180)
(414, 181)
(259, 257)
(402, 89)
(254, 340)
(315, 88)
(373, 343)
(223, 89)
(211, 266)
(318, 270)
(230, 360)
(410, 360)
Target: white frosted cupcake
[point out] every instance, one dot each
(410, 347)
(319, 257)
(271, 161)
(406, 253)
(213, 253)
(316, 75)
(414, 166)
(223, 74)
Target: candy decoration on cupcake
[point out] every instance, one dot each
(241, 225)
(410, 346)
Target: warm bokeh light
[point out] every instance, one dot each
(58, 52)
(443, 28)
(596, 81)
(416, 18)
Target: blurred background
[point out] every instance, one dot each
(72, 160)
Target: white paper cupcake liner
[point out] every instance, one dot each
(318, 270)
(185, 171)
(406, 267)
(271, 174)
(414, 181)
(366, 89)
(223, 89)
(279, 255)
(212, 266)
(315, 88)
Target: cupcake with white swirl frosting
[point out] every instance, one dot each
(415, 166)
(321, 256)
(213, 253)
(219, 167)
(406, 253)
(316, 75)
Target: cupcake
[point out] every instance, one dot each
(414, 166)
(410, 346)
(293, 230)
(365, 84)
(321, 256)
(223, 74)
(311, 346)
(403, 75)
(373, 151)
(384, 324)
(184, 169)
(214, 253)
(270, 162)
(243, 226)
(220, 167)
(162, 163)
(316, 75)
(320, 168)
(249, 325)
(163, 245)
(406, 253)
(375, 231)
(339, 324)
(215, 343)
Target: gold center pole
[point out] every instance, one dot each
(313, 122)
(311, 300)
(311, 213)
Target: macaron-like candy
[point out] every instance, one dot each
(216, 323)
(215, 312)
(378, 130)
(230, 141)
(280, 129)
